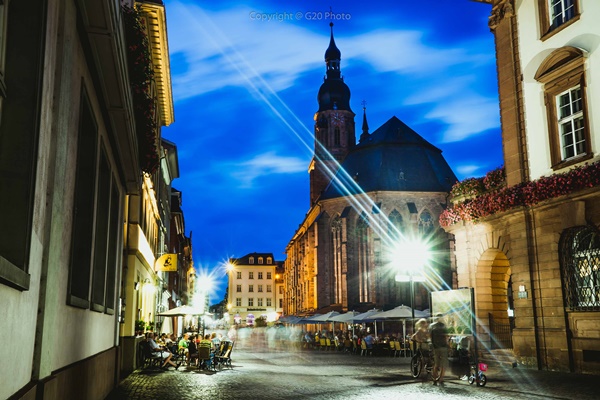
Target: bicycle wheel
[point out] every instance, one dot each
(416, 366)
(482, 380)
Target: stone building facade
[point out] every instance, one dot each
(536, 250)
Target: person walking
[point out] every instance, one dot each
(439, 341)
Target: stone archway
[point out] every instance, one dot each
(492, 299)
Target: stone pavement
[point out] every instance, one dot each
(309, 374)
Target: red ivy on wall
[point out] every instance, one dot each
(139, 64)
(524, 194)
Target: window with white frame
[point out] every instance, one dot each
(269, 288)
(260, 288)
(238, 301)
(269, 260)
(251, 288)
(260, 275)
(269, 275)
(238, 288)
(260, 260)
(250, 302)
(571, 123)
(269, 302)
(562, 74)
(250, 275)
(259, 302)
(556, 14)
(251, 260)
(561, 11)
(238, 275)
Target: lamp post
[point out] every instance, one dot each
(411, 257)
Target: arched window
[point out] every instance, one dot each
(336, 136)
(362, 236)
(251, 260)
(394, 225)
(579, 251)
(260, 260)
(425, 223)
(336, 245)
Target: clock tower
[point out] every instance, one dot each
(334, 124)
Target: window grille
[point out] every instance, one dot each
(580, 264)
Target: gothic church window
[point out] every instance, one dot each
(425, 223)
(579, 252)
(336, 242)
(362, 234)
(336, 136)
(395, 225)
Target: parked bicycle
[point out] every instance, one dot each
(421, 361)
(478, 376)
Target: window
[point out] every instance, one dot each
(269, 302)
(250, 275)
(20, 73)
(251, 260)
(395, 225)
(425, 223)
(238, 301)
(579, 250)
(280, 289)
(260, 260)
(563, 79)
(570, 123)
(260, 275)
(269, 260)
(269, 288)
(250, 302)
(259, 302)
(238, 275)
(269, 275)
(280, 303)
(260, 288)
(555, 15)
(238, 288)
(336, 136)
(251, 288)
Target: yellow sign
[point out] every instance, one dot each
(167, 263)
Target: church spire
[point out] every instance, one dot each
(365, 126)
(333, 55)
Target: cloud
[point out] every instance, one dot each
(266, 164)
(467, 170)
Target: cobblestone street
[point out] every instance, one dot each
(278, 374)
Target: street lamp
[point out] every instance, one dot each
(411, 257)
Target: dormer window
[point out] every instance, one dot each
(260, 260)
(251, 260)
(269, 260)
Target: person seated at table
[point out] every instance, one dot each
(206, 343)
(183, 343)
(192, 351)
(216, 341)
(163, 351)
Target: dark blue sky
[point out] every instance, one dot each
(245, 79)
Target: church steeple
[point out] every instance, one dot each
(333, 56)
(334, 93)
(365, 126)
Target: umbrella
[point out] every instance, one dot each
(422, 314)
(182, 311)
(309, 320)
(347, 317)
(399, 312)
(167, 326)
(325, 317)
(366, 316)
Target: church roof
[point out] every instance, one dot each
(393, 158)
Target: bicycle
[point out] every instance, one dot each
(478, 377)
(422, 360)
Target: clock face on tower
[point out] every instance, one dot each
(337, 118)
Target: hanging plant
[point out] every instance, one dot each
(139, 62)
(524, 194)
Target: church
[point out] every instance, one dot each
(372, 202)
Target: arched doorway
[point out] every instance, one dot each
(494, 299)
